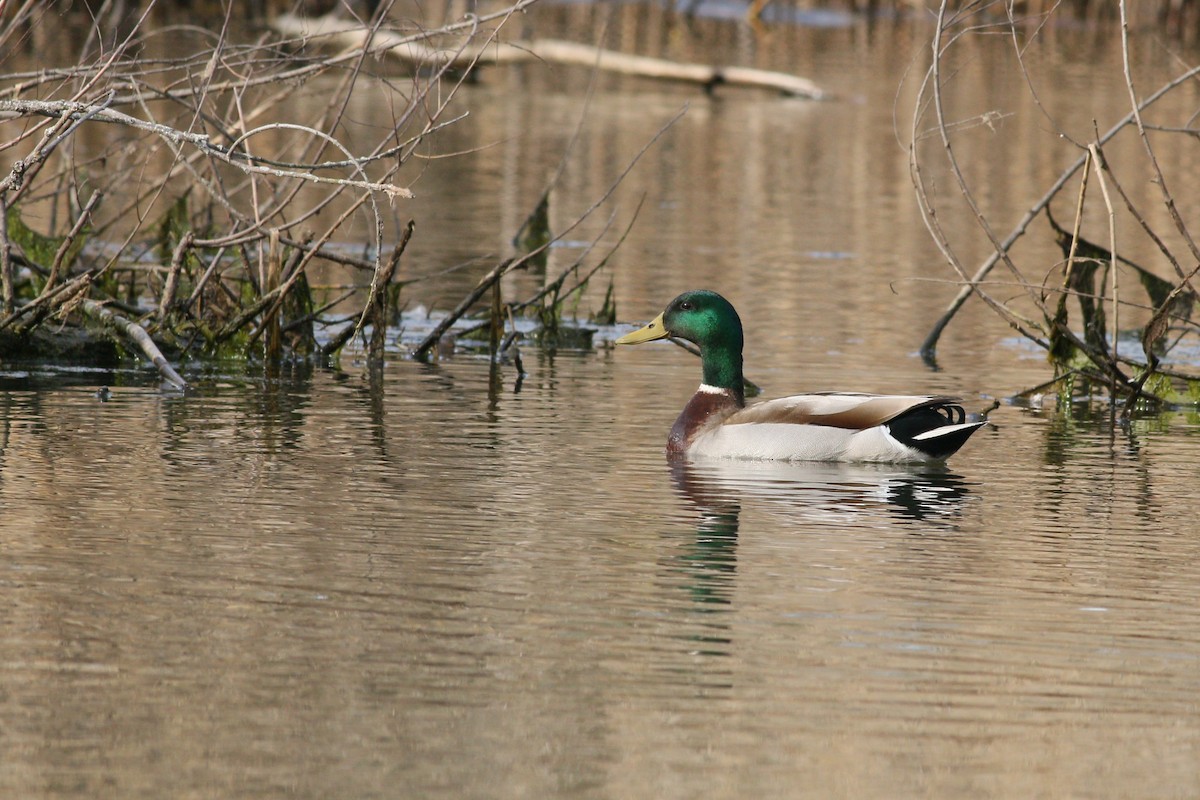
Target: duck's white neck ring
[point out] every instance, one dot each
(709, 389)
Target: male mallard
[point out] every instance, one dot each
(827, 426)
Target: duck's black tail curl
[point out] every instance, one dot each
(938, 429)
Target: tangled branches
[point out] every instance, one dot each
(194, 203)
(1095, 276)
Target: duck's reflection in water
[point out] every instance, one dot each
(837, 498)
(855, 495)
(859, 493)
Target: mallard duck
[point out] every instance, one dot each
(826, 426)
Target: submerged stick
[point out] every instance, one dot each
(134, 332)
(485, 283)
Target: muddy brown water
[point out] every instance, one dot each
(433, 582)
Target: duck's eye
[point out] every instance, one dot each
(686, 306)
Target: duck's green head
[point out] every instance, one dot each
(708, 320)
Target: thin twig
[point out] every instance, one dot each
(69, 240)
(7, 291)
(375, 309)
(1112, 243)
(1160, 179)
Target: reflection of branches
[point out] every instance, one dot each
(1048, 326)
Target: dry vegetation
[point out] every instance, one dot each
(1075, 309)
(191, 223)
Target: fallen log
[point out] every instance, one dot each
(414, 49)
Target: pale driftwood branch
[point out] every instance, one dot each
(415, 50)
(66, 109)
(134, 332)
(167, 301)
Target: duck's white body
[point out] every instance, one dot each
(814, 441)
(833, 426)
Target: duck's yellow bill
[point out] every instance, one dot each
(654, 330)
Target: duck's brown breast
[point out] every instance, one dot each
(708, 406)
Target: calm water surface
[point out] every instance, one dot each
(437, 585)
(435, 581)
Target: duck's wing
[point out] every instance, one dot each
(846, 410)
(845, 427)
